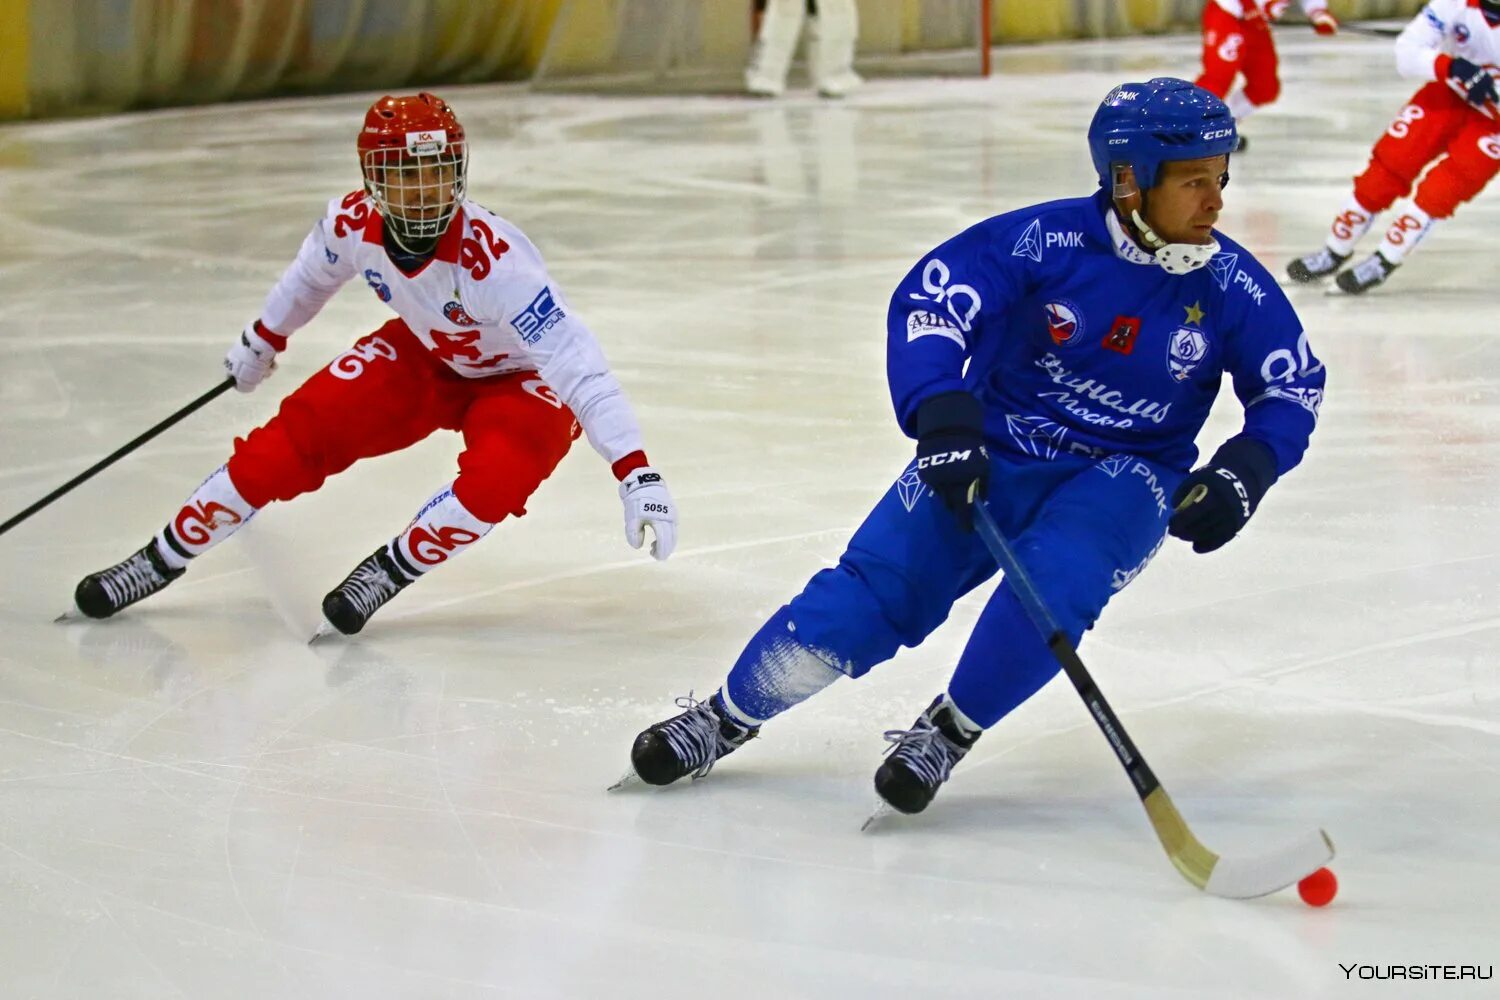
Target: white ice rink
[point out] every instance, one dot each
(195, 803)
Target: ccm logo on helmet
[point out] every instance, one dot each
(1221, 133)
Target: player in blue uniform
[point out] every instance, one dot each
(1059, 361)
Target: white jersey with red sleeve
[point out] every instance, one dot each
(483, 304)
(1446, 30)
(1271, 10)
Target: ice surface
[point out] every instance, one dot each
(195, 803)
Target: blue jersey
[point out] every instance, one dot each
(1078, 343)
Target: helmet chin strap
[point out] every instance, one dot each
(1175, 258)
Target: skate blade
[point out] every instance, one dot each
(70, 615)
(882, 810)
(627, 779)
(323, 631)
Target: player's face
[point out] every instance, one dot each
(1187, 199)
(419, 191)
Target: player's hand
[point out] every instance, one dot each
(251, 359)
(1233, 482)
(1323, 22)
(1474, 80)
(951, 459)
(647, 501)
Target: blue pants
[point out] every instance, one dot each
(1082, 528)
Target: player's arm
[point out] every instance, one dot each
(1280, 382)
(570, 360)
(1419, 47)
(324, 262)
(936, 315)
(1319, 16)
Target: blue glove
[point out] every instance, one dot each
(1233, 483)
(1478, 85)
(951, 459)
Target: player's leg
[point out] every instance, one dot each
(1094, 535)
(369, 401)
(1420, 131)
(833, 31)
(1258, 64)
(771, 55)
(896, 582)
(1471, 161)
(1223, 54)
(515, 432)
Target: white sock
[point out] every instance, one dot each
(1240, 106)
(213, 513)
(1349, 226)
(1409, 228)
(442, 529)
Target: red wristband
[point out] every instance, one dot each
(276, 340)
(628, 464)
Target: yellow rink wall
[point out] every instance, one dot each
(62, 57)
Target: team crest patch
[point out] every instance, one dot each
(454, 311)
(536, 319)
(1185, 351)
(1064, 322)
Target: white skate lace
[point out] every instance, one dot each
(695, 736)
(1370, 272)
(368, 587)
(131, 580)
(924, 750)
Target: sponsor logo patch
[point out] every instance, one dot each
(536, 319)
(1064, 322)
(910, 488)
(454, 312)
(921, 323)
(1030, 243)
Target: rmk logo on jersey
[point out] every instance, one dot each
(454, 312)
(1030, 243)
(1064, 322)
(377, 284)
(1185, 352)
(910, 488)
(542, 315)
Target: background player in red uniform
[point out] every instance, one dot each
(484, 343)
(1451, 124)
(1237, 42)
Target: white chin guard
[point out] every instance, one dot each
(1175, 258)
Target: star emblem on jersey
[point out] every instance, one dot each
(1030, 243)
(1221, 266)
(1194, 314)
(911, 488)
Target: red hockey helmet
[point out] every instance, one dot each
(415, 164)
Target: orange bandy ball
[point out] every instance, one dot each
(1319, 888)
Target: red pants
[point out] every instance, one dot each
(386, 393)
(1232, 46)
(1437, 125)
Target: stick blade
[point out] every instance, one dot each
(1247, 878)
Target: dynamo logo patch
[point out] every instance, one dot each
(536, 319)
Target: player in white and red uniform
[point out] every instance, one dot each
(1452, 123)
(484, 343)
(1237, 41)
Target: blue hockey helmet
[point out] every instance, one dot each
(1148, 124)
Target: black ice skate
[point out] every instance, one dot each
(1315, 265)
(364, 591)
(688, 743)
(921, 758)
(1366, 274)
(142, 574)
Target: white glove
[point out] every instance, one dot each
(250, 360)
(647, 501)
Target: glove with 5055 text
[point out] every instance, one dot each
(253, 357)
(647, 501)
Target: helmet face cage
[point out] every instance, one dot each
(418, 186)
